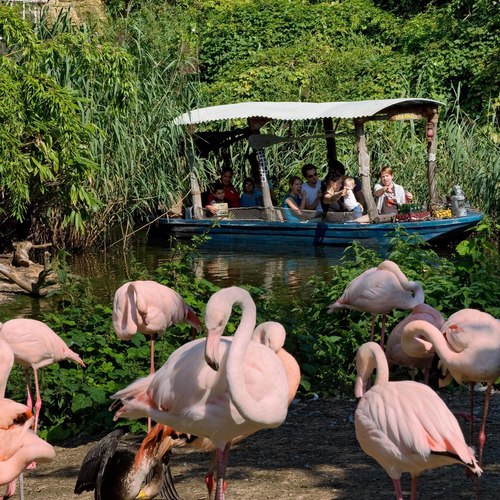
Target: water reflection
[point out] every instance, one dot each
(224, 266)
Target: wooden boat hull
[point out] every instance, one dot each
(311, 232)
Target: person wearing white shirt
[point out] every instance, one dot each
(389, 195)
(311, 188)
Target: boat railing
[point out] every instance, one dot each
(279, 214)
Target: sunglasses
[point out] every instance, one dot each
(310, 176)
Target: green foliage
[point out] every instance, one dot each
(47, 169)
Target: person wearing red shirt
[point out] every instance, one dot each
(230, 193)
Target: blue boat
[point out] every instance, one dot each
(270, 224)
(313, 232)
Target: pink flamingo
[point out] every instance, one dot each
(214, 387)
(6, 363)
(405, 426)
(379, 290)
(149, 308)
(35, 345)
(468, 350)
(394, 352)
(19, 445)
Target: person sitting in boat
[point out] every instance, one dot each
(251, 196)
(351, 204)
(217, 197)
(293, 202)
(311, 188)
(230, 193)
(332, 193)
(389, 195)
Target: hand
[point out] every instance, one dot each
(409, 196)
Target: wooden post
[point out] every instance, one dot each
(255, 124)
(431, 136)
(364, 169)
(331, 146)
(195, 186)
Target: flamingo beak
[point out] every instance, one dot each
(212, 348)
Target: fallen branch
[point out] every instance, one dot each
(37, 288)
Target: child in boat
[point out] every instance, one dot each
(351, 204)
(293, 201)
(251, 196)
(217, 196)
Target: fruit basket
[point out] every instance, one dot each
(441, 212)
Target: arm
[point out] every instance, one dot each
(379, 190)
(332, 196)
(291, 204)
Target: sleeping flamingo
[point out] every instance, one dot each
(6, 363)
(149, 308)
(405, 426)
(394, 352)
(35, 345)
(124, 467)
(379, 290)
(214, 387)
(19, 445)
(468, 350)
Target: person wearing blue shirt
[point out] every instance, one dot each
(251, 197)
(293, 201)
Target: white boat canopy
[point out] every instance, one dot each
(257, 113)
(304, 110)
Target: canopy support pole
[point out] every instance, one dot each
(195, 186)
(364, 169)
(431, 136)
(331, 145)
(255, 124)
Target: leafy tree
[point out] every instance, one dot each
(46, 166)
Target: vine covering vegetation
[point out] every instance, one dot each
(87, 138)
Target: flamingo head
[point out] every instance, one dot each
(212, 346)
(192, 319)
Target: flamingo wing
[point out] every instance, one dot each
(94, 463)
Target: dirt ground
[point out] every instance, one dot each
(313, 455)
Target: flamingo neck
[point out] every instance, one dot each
(251, 409)
(380, 365)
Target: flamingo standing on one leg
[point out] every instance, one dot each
(394, 352)
(379, 290)
(149, 308)
(214, 387)
(468, 350)
(19, 445)
(405, 426)
(35, 345)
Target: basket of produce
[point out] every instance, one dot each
(441, 212)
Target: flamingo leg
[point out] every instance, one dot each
(221, 472)
(38, 403)
(414, 480)
(397, 489)
(482, 433)
(29, 400)
(471, 409)
(209, 477)
(373, 328)
(151, 369)
(382, 333)
(427, 372)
